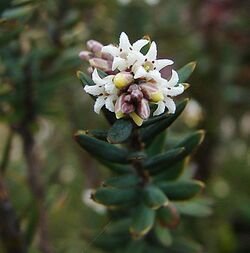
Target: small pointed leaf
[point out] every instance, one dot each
(120, 131)
(186, 71)
(168, 216)
(157, 145)
(182, 190)
(101, 149)
(142, 221)
(84, 78)
(163, 235)
(154, 197)
(124, 181)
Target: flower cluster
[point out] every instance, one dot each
(134, 80)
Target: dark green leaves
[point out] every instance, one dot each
(114, 196)
(164, 160)
(154, 197)
(85, 79)
(168, 216)
(185, 72)
(122, 181)
(120, 131)
(101, 149)
(182, 190)
(142, 221)
(148, 133)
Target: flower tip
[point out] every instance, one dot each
(136, 118)
(193, 65)
(78, 74)
(119, 115)
(186, 85)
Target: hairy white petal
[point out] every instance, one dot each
(110, 88)
(96, 78)
(152, 52)
(124, 42)
(140, 72)
(174, 79)
(109, 104)
(119, 63)
(134, 59)
(160, 109)
(94, 90)
(99, 103)
(154, 74)
(175, 91)
(110, 49)
(169, 102)
(139, 44)
(162, 63)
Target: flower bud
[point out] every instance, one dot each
(118, 107)
(136, 118)
(152, 92)
(143, 109)
(100, 64)
(94, 46)
(85, 55)
(136, 95)
(122, 79)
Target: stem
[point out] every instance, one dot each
(9, 226)
(137, 146)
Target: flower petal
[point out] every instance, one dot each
(139, 44)
(124, 43)
(174, 79)
(94, 90)
(152, 52)
(155, 74)
(96, 78)
(99, 103)
(110, 49)
(140, 72)
(175, 91)
(160, 109)
(119, 63)
(109, 104)
(169, 102)
(162, 63)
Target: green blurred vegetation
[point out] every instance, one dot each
(42, 104)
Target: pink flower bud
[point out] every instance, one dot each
(94, 46)
(85, 55)
(127, 108)
(100, 64)
(151, 92)
(123, 79)
(136, 95)
(128, 98)
(143, 109)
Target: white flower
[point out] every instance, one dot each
(125, 55)
(149, 67)
(105, 90)
(169, 89)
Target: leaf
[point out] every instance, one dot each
(18, 12)
(172, 172)
(196, 208)
(157, 145)
(125, 181)
(182, 190)
(150, 132)
(154, 197)
(168, 216)
(136, 247)
(191, 142)
(163, 161)
(186, 71)
(116, 168)
(120, 226)
(115, 196)
(120, 131)
(163, 235)
(142, 221)
(101, 149)
(99, 134)
(182, 245)
(84, 78)
(101, 73)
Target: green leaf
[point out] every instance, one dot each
(142, 221)
(150, 132)
(191, 142)
(136, 247)
(84, 78)
(101, 149)
(120, 226)
(171, 173)
(99, 134)
(101, 73)
(181, 245)
(124, 181)
(163, 235)
(163, 161)
(18, 12)
(168, 216)
(186, 71)
(195, 208)
(116, 168)
(154, 197)
(120, 131)
(115, 197)
(182, 190)
(157, 145)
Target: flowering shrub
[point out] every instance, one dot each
(143, 198)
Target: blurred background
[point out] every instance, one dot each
(44, 175)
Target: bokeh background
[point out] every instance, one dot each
(44, 175)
